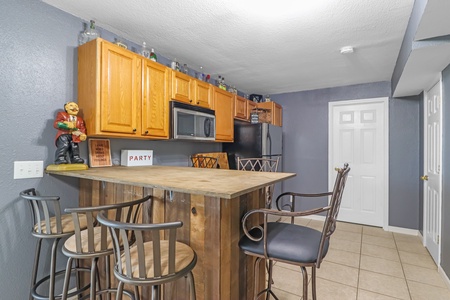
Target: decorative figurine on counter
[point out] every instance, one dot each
(71, 131)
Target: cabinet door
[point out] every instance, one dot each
(250, 107)
(224, 107)
(275, 111)
(181, 87)
(240, 108)
(277, 115)
(155, 102)
(120, 90)
(203, 93)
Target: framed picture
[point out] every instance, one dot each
(99, 153)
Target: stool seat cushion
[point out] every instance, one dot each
(70, 244)
(183, 257)
(66, 224)
(288, 242)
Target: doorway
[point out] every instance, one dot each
(358, 135)
(432, 178)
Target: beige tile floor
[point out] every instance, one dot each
(367, 263)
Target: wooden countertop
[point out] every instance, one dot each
(221, 183)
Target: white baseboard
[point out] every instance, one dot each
(444, 276)
(403, 230)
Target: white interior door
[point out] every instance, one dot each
(432, 177)
(358, 136)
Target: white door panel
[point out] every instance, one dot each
(432, 186)
(358, 136)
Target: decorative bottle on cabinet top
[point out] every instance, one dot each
(153, 55)
(144, 50)
(89, 34)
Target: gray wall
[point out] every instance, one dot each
(445, 230)
(38, 75)
(305, 138)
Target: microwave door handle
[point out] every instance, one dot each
(207, 127)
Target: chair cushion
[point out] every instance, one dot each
(288, 242)
(183, 257)
(66, 224)
(70, 244)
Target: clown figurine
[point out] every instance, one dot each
(71, 131)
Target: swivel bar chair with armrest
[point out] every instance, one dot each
(150, 260)
(48, 223)
(95, 241)
(291, 243)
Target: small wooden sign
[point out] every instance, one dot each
(99, 153)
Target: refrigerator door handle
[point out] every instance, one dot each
(269, 139)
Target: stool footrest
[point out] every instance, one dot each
(37, 296)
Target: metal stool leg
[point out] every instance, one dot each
(192, 285)
(305, 282)
(37, 254)
(51, 294)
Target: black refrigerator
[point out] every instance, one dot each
(256, 140)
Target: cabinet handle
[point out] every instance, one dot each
(190, 101)
(198, 102)
(146, 132)
(194, 211)
(134, 129)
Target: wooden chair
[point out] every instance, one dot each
(260, 165)
(95, 241)
(200, 161)
(150, 260)
(291, 243)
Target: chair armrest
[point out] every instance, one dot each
(266, 212)
(304, 195)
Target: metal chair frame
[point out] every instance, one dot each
(259, 234)
(201, 161)
(86, 240)
(260, 164)
(146, 235)
(47, 223)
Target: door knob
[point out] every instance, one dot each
(424, 177)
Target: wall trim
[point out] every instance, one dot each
(444, 276)
(402, 230)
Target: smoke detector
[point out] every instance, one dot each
(347, 50)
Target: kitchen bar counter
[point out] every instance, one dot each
(209, 202)
(221, 183)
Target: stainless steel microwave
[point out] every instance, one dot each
(190, 122)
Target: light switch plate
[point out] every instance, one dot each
(28, 169)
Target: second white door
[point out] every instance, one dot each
(358, 136)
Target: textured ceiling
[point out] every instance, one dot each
(263, 47)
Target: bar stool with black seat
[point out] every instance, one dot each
(49, 224)
(291, 243)
(150, 260)
(95, 242)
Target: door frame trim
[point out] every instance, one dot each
(424, 216)
(332, 174)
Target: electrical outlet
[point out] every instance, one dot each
(28, 169)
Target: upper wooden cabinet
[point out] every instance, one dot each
(155, 102)
(110, 92)
(182, 87)
(190, 90)
(240, 108)
(202, 93)
(224, 108)
(276, 112)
